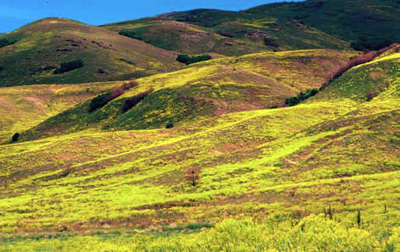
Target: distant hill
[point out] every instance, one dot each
(32, 54)
(369, 24)
(225, 32)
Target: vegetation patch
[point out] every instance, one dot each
(7, 41)
(292, 101)
(133, 101)
(131, 34)
(101, 100)
(183, 58)
(69, 66)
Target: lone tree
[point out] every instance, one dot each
(192, 174)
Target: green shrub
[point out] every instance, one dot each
(131, 34)
(133, 101)
(271, 42)
(169, 125)
(186, 59)
(69, 66)
(371, 43)
(7, 41)
(301, 97)
(15, 137)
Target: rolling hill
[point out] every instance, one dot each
(212, 88)
(225, 33)
(41, 47)
(307, 167)
(287, 140)
(369, 24)
(23, 107)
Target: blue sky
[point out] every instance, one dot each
(16, 13)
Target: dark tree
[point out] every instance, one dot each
(15, 137)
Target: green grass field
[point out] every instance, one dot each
(291, 178)
(151, 155)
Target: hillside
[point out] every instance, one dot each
(41, 47)
(282, 167)
(226, 33)
(287, 139)
(207, 89)
(26, 106)
(369, 24)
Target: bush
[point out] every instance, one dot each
(131, 34)
(169, 125)
(371, 94)
(301, 97)
(101, 100)
(133, 101)
(15, 137)
(192, 175)
(368, 44)
(69, 66)
(7, 41)
(227, 34)
(186, 59)
(271, 42)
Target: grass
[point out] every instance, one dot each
(204, 89)
(225, 33)
(44, 45)
(24, 107)
(341, 18)
(319, 176)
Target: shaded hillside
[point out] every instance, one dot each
(370, 24)
(226, 33)
(211, 88)
(40, 48)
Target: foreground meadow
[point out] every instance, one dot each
(319, 176)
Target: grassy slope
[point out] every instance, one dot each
(24, 107)
(45, 44)
(211, 88)
(342, 18)
(286, 163)
(199, 31)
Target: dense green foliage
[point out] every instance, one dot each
(7, 41)
(370, 24)
(15, 137)
(69, 66)
(131, 34)
(301, 97)
(183, 58)
(133, 101)
(367, 44)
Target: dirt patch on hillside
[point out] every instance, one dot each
(37, 103)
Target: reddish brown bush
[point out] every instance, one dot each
(192, 174)
(362, 59)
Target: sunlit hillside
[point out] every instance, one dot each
(40, 48)
(252, 150)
